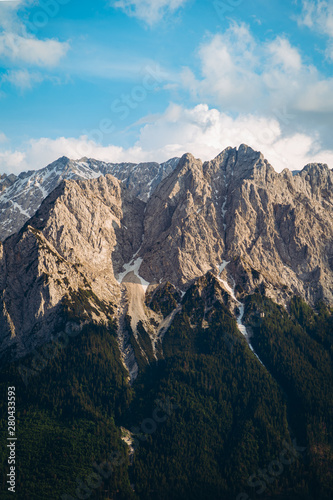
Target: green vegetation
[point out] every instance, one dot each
(66, 418)
(80, 305)
(231, 417)
(165, 299)
(205, 418)
(297, 349)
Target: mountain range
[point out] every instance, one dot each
(217, 273)
(273, 231)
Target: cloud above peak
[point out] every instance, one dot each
(202, 131)
(149, 11)
(242, 74)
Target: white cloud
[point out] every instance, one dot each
(284, 55)
(8, 17)
(243, 75)
(30, 50)
(20, 48)
(150, 11)
(206, 132)
(202, 131)
(38, 153)
(318, 15)
(22, 78)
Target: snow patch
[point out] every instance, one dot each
(241, 327)
(134, 266)
(223, 266)
(224, 211)
(18, 207)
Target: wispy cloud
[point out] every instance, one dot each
(22, 78)
(318, 16)
(149, 11)
(9, 19)
(3, 137)
(30, 50)
(21, 52)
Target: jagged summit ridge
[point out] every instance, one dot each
(94, 242)
(237, 206)
(21, 196)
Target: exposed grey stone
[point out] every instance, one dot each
(275, 230)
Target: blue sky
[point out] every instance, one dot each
(147, 80)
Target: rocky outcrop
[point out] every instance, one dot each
(95, 251)
(141, 179)
(6, 181)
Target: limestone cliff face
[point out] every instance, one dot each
(183, 226)
(68, 251)
(92, 243)
(275, 229)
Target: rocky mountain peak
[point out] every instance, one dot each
(240, 164)
(316, 180)
(21, 196)
(62, 159)
(188, 168)
(94, 240)
(317, 174)
(316, 169)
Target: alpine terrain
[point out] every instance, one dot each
(25, 192)
(169, 329)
